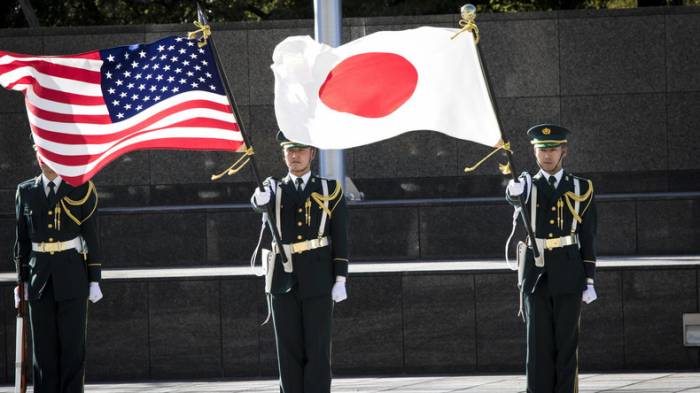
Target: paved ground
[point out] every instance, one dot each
(590, 383)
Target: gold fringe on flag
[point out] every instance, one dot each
(237, 166)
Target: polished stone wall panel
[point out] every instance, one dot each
(118, 333)
(605, 55)
(383, 233)
(365, 326)
(682, 52)
(482, 233)
(683, 136)
(522, 57)
(653, 303)
(637, 122)
(240, 324)
(439, 323)
(186, 312)
(602, 336)
(147, 240)
(500, 332)
(668, 227)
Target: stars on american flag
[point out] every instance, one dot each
(139, 76)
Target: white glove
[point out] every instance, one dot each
(261, 197)
(26, 294)
(589, 294)
(338, 293)
(515, 189)
(95, 292)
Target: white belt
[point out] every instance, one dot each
(51, 247)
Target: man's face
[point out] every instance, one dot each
(550, 158)
(298, 159)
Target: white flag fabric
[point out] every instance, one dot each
(380, 86)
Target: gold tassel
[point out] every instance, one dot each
(201, 28)
(468, 16)
(499, 146)
(237, 166)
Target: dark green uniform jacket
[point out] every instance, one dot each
(72, 214)
(569, 268)
(314, 271)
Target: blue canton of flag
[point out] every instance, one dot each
(138, 76)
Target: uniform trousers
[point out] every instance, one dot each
(58, 338)
(552, 340)
(303, 335)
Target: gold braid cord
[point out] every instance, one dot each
(467, 23)
(71, 202)
(201, 28)
(499, 146)
(320, 199)
(579, 198)
(237, 166)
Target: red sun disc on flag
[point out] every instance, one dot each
(370, 85)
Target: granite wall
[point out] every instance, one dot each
(428, 230)
(626, 82)
(393, 323)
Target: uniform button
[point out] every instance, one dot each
(298, 223)
(50, 226)
(299, 210)
(551, 221)
(551, 235)
(554, 208)
(50, 239)
(299, 237)
(50, 213)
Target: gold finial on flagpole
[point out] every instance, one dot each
(201, 28)
(467, 21)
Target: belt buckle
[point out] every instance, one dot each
(298, 248)
(50, 247)
(552, 243)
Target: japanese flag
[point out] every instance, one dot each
(380, 86)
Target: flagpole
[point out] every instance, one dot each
(468, 14)
(246, 139)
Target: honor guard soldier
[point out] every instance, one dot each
(311, 216)
(562, 214)
(58, 257)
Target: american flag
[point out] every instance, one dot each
(86, 110)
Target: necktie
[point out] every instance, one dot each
(553, 182)
(52, 192)
(300, 185)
